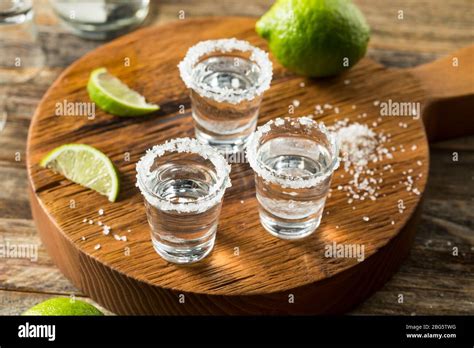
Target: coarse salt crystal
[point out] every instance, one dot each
(101, 211)
(365, 218)
(296, 103)
(106, 230)
(97, 247)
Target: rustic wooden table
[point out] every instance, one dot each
(435, 279)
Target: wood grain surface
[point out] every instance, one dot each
(446, 223)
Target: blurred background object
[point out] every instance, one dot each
(21, 55)
(101, 19)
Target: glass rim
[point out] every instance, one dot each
(16, 8)
(184, 145)
(258, 56)
(270, 174)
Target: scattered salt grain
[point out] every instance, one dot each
(91, 222)
(85, 220)
(83, 238)
(106, 230)
(97, 247)
(302, 84)
(101, 211)
(296, 103)
(365, 218)
(347, 82)
(360, 145)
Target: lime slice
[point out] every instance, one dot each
(86, 166)
(63, 306)
(115, 97)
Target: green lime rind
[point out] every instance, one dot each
(85, 165)
(63, 306)
(315, 38)
(113, 96)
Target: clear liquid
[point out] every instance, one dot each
(182, 237)
(227, 72)
(293, 211)
(179, 183)
(223, 124)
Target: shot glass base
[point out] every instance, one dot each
(287, 229)
(224, 145)
(183, 255)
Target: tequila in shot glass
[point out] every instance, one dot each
(293, 160)
(226, 79)
(183, 182)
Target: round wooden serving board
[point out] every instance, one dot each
(249, 271)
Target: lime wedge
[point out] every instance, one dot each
(115, 97)
(86, 166)
(62, 306)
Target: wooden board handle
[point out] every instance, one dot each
(449, 83)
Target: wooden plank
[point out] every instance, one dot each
(35, 272)
(17, 302)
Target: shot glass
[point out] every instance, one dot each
(21, 55)
(226, 79)
(293, 160)
(101, 19)
(182, 182)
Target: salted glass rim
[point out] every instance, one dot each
(229, 95)
(184, 145)
(269, 174)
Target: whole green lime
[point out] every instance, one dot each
(62, 306)
(315, 37)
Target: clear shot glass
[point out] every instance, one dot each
(21, 55)
(293, 160)
(101, 19)
(182, 182)
(226, 79)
